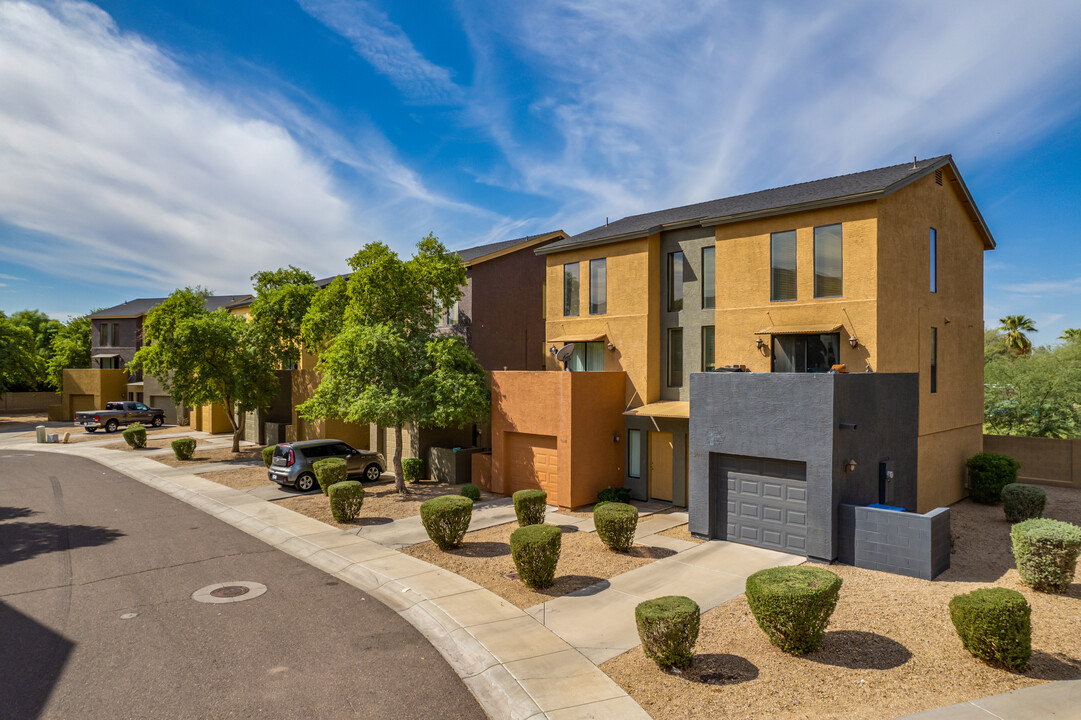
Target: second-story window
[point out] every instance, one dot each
(570, 289)
(708, 344)
(828, 262)
(587, 357)
(675, 357)
(675, 281)
(709, 277)
(116, 335)
(934, 360)
(598, 286)
(451, 317)
(103, 335)
(782, 260)
(933, 256)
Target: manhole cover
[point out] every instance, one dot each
(229, 592)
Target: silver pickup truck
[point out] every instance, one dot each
(119, 413)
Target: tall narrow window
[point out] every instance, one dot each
(570, 289)
(708, 337)
(709, 277)
(598, 287)
(934, 260)
(103, 335)
(452, 314)
(675, 357)
(116, 335)
(828, 261)
(675, 281)
(934, 360)
(782, 253)
(634, 453)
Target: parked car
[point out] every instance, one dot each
(119, 413)
(291, 463)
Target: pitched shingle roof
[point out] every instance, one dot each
(471, 255)
(141, 306)
(856, 187)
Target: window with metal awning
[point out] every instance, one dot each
(811, 329)
(674, 409)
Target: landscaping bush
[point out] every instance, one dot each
(268, 455)
(412, 469)
(183, 448)
(535, 550)
(135, 436)
(616, 523)
(793, 605)
(329, 471)
(529, 506)
(471, 491)
(668, 627)
(994, 624)
(1023, 502)
(1046, 553)
(446, 518)
(346, 499)
(989, 473)
(620, 495)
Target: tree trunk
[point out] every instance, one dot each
(399, 476)
(238, 426)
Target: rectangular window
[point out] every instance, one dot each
(828, 262)
(103, 335)
(806, 353)
(934, 260)
(675, 357)
(934, 360)
(634, 453)
(675, 281)
(440, 312)
(109, 363)
(587, 357)
(598, 287)
(709, 277)
(570, 289)
(782, 261)
(451, 317)
(116, 335)
(708, 337)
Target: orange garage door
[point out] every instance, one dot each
(82, 403)
(532, 462)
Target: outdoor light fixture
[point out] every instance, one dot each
(854, 342)
(850, 466)
(758, 343)
(611, 346)
(615, 437)
(552, 349)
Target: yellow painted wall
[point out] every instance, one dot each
(304, 382)
(212, 419)
(104, 385)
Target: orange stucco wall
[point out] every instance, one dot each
(104, 385)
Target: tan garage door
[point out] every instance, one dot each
(82, 403)
(165, 403)
(532, 462)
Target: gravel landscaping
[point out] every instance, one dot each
(245, 478)
(890, 650)
(485, 559)
(216, 454)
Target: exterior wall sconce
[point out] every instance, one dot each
(611, 346)
(854, 342)
(552, 349)
(758, 343)
(850, 466)
(615, 437)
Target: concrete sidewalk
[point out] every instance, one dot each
(1060, 699)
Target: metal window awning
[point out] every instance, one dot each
(97, 356)
(580, 337)
(819, 329)
(662, 409)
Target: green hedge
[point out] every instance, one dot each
(668, 627)
(183, 448)
(268, 455)
(616, 523)
(329, 471)
(529, 506)
(446, 519)
(1046, 553)
(135, 436)
(620, 495)
(793, 605)
(995, 625)
(346, 499)
(1023, 502)
(412, 469)
(988, 474)
(471, 491)
(535, 550)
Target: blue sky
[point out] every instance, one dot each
(149, 145)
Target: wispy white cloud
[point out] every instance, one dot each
(1040, 288)
(4, 276)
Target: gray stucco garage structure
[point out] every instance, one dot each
(773, 455)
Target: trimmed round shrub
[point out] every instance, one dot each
(135, 436)
(989, 473)
(535, 550)
(268, 455)
(616, 523)
(1046, 553)
(183, 448)
(471, 491)
(668, 627)
(1023, 502)
(446, 519)
(329, 471)
(994, 624)
(529, 506)
(346, 499)
(412, 469)
(793, 605)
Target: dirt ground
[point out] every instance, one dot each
(890, 650)
(680, 532)
(10, 420)
(78, 434)
(484, 558)
(243, 478)
(218, 454)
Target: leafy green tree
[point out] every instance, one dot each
(1015, 327)
(20, 364)
(1071, 335)
(70, 349)
(994, 345)
(282, 298)
(44, 329)
(380, 356)
(203, 357)
(1038, 395)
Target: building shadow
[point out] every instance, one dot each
(22, 540)
(858, 650)
(30, 665)
(721, 669)
(14, 513)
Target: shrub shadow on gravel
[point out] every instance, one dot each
(1053, 666)
(858, 650)
(720, 669)
(482, 549)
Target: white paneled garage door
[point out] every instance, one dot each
(764, 502)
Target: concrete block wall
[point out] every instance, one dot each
(896, 542)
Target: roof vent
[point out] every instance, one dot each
(938, 177)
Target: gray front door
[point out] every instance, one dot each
(763, 502)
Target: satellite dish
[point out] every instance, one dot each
(564, 353)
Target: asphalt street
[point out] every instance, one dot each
(97, 619)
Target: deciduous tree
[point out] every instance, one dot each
(20, 364)
(70, 349)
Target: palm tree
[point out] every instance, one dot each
(1071, 335)
(1016, 326)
